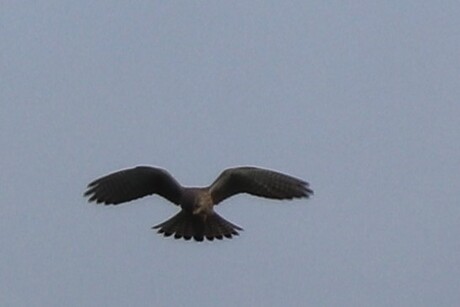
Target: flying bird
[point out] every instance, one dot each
(197, 218)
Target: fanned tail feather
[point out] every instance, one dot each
(186, 225)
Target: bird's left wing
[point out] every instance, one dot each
(259, 182)
(133, 183)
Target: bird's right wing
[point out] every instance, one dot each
(133, 183)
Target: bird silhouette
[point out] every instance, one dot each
(197, 218)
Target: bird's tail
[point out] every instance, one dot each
(186, 225)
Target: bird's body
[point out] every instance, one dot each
(197, 218)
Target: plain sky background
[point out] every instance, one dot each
(360, 98)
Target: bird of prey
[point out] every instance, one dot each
(197, 218)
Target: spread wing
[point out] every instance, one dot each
(259, 182)
(133, 183)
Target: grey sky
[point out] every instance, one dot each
(359, 98)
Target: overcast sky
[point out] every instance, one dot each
(359, 98)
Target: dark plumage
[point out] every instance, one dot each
(197, 218)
